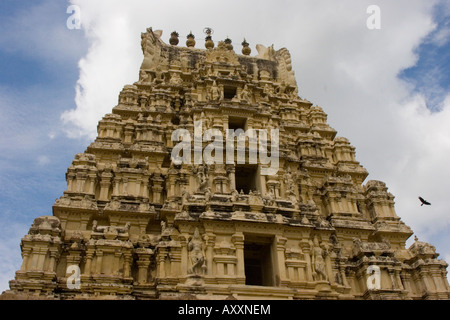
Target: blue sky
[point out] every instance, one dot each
(431, 75)
(48, 71)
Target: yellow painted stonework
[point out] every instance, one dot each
(137, 226)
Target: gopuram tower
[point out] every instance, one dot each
(213, 179)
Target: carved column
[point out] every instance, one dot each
(143, 270)
(70, 178)
(306, 249)
(406, 277)
(89, 257)
(92, 177)
(162, 252)
(238, 241)
(399, 280)
(393, 280)
(210, 240)
(98, 262)
(116, 263)
(25, 255)
(157, 189)
(41, 258)
(116, 192)
(343, 275)
(328, 266)
(184, 253)
(281, 264)
(127, 264)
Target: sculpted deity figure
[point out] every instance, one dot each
(215, 93)
(318, 261)
(197, 254)
(245, 94)
(185, 197)
(289, 183)
(143, 76)
(202, 177)
(234, 195)
(270, 197)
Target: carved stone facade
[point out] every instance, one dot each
(138, 226)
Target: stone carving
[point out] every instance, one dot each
(318, 261)
(127, 175)
(215, 93)
(202, 177)
(264, 52)
(151, 49)
(110, 232)
(222, 54)
(289, 182)
(286, 73)
(197, 254)
(270, 198)
(245, 94)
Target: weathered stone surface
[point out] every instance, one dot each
(132, 224)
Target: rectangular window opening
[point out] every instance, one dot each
(229, 92)
(246, 178)
(235, 123)
(258, 262)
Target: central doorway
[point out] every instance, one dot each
(258, 261)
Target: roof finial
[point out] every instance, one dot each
(190, 40)
(228, 44)
(174, 38)
(209, 44)
(245, 48)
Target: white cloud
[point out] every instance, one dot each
(10, 236)
(43, 160)
(341, 65)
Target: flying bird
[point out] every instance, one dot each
(424, 201)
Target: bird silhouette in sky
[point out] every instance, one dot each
(424, 202)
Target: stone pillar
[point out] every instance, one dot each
(238, 241)
(406, 277)
(210, 240)
(444, 279)
(116, 263)
(143, 270)
(329, 268)
(116, 192)
(343, 276)
(26, 255)
(98, 262)
(306, 249)
(231, 170)
(145, 189)
(280, 243)
(92, 177)
(127, 265)
(393, 280)
(70, 178)
(41, 258)
(399, 280)
(184, 253)
(157, 189)
(161, 271)
(87, 266)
